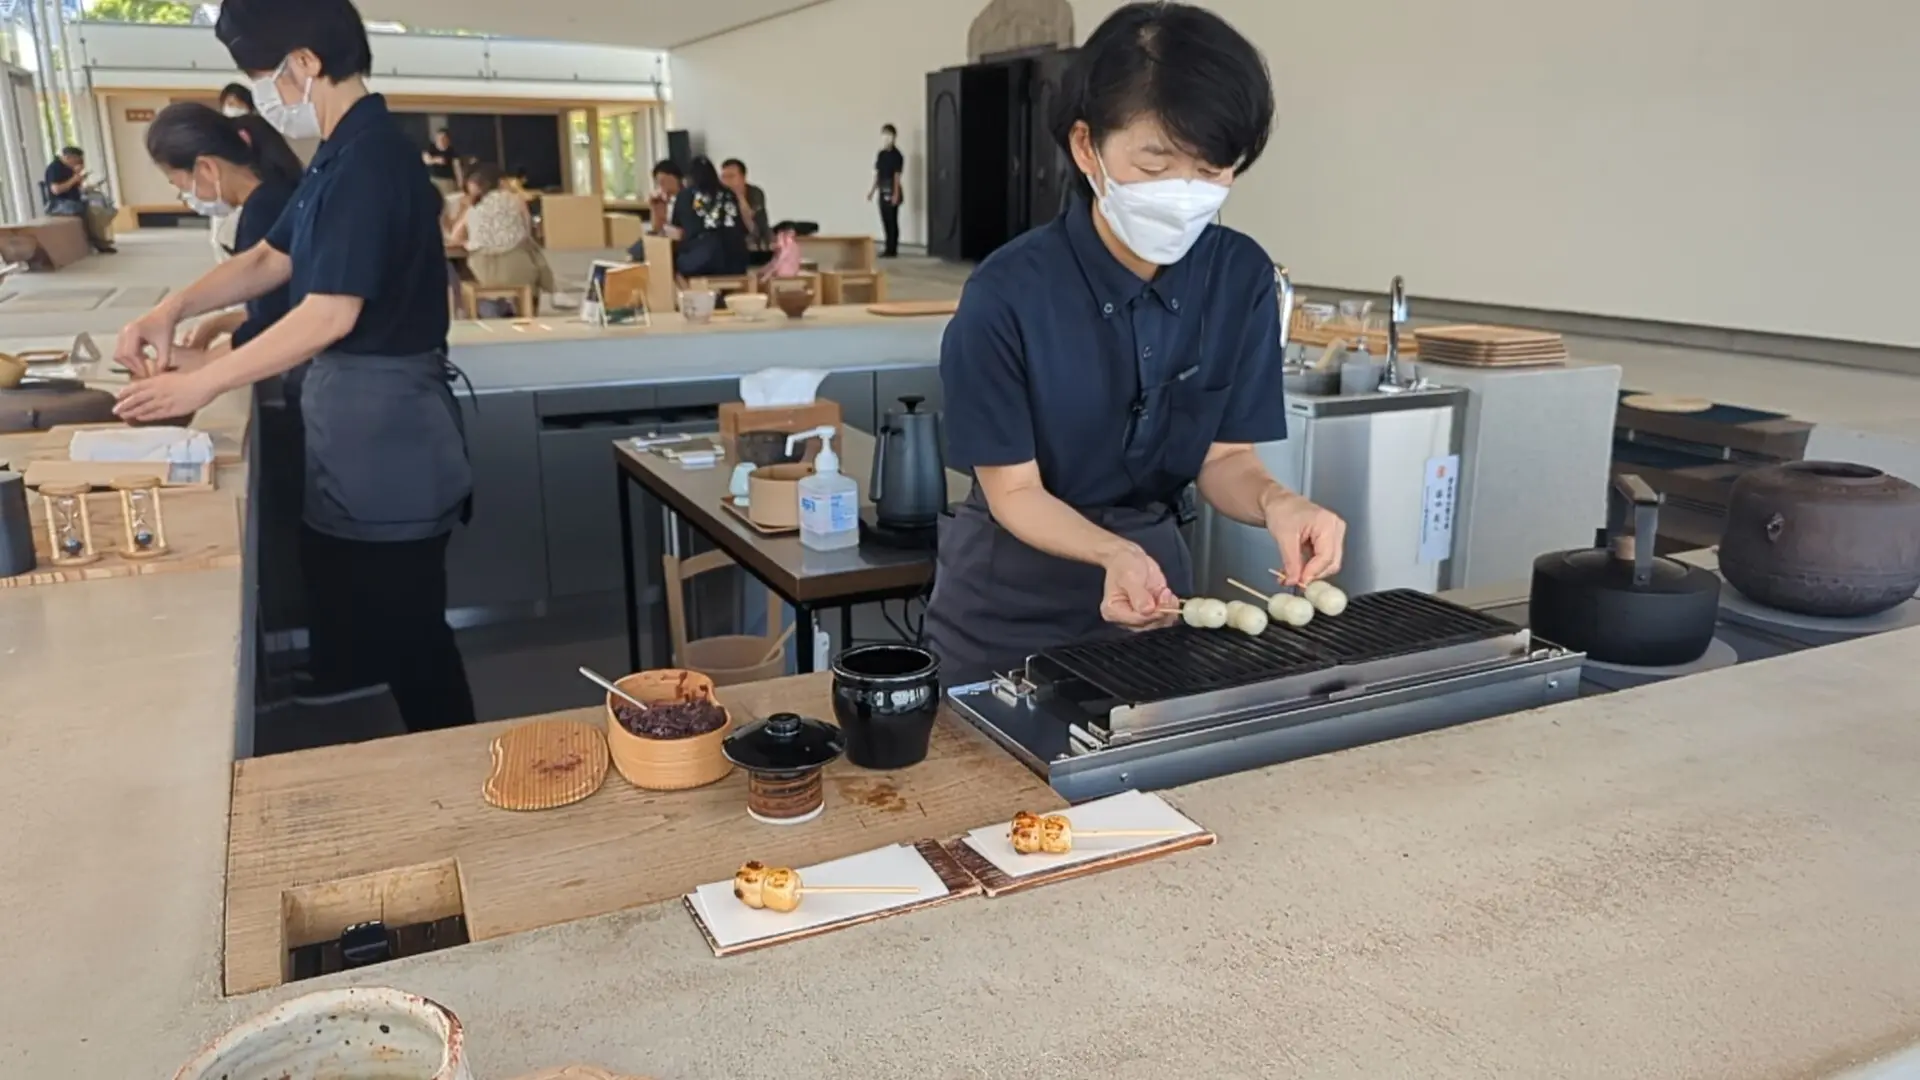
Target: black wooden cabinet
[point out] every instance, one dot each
(993, 168)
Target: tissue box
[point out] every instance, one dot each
(737, 419)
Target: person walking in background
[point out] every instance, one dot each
(67, 196)
(443, 163)
(236, 100)
(887, 169)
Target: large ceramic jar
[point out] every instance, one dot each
(1823, 538)
(886, 698)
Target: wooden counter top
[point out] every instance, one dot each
(566, 326)
(324, 815)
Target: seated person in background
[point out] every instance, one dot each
(67, 196)
(668, 182)
(753, 204)
(708, 227)
(786, 253)
(236, 100)
(497, 232)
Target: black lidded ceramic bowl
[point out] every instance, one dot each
(885, 698)
(784, 755)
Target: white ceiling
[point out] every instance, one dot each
(656, 24)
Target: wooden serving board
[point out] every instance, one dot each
(102, 474)
(228, 444)
(1496, 336)
(986, 854)
(996, 884)
(345, 811)
(204, 530)
(907, 309)
(959, 882)
(545, 765)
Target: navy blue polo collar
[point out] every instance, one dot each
(1114, 285)
(361, 118)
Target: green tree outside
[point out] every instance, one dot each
(140, 11)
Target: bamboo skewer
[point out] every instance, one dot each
(1250, 591)
(1032, 834)
(780, 889)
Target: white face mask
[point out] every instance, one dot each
(1160, 220)
(215, 207)
(234, 112)
(299, 121)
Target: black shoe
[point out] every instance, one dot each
(889, 254)
(106, 249)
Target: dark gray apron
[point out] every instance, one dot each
(997, 601)
(386, 453)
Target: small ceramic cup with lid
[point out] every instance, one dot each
(783, 756)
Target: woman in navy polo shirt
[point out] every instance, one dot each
(1099, 366)
(387, 476)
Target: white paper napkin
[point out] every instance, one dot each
(733, 923)
(180, 446)
(1127, 810)
(776, 387)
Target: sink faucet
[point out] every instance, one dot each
(1284, 285)
(1396, 317)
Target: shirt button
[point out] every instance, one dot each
(1146, 352)
(1107, 310)
(1175, 304)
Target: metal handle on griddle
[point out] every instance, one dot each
(1633, 523)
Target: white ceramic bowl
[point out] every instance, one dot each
(749, 306)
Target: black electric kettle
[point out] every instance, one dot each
(1620, 603)
(909, 470)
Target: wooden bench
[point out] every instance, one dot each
(526, 300)
(836, 283)
(46, 243)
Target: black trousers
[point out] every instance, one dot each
(890, 224)
(377, 612)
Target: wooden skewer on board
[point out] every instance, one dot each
(779, 889)
(1032, 834)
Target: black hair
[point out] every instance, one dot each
(187, 131)
(261, 33)
(239, 92)
(1206, 84)
(668, 167)
(487, 175)
(72, 151)
(735, 163)
(889, 129)
(702, 176)
(448, 132)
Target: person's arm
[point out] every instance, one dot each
(1233, 479)
(249, 275)
(308, 330)
(74, 180)
(874, 188)
(212, 328)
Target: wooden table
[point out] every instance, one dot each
(301, 822)
(807, 580)
(839, 252)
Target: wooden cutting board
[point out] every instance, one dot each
(1666, 403)
(904, 309)
(546, 764)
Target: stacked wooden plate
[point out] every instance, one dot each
(1491, 346)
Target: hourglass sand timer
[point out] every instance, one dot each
(69, 533)
(143, 532)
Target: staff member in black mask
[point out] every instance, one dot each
(387, 476)
(1099, 366)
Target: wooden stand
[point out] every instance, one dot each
(143, 528)
(836, 283)
(526, 302)
(69, 533)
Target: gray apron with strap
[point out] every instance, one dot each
(386, 453)
(997, 601)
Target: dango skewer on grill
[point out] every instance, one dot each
(777, 888)
(1284, 607)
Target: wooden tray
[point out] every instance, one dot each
(1448, 361)
(546, 764)
(102, 474)
(996, 883)
(740, 515)
(907, 309)
(1472, 335)
(959, 882)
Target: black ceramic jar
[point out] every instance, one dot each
(1823, 538)
(885, 698)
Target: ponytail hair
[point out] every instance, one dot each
(186, 131)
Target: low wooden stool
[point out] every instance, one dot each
(836, 282)
(722, 284)
(526, 304)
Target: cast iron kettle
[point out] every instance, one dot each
(1620, 603)
(1824, 538)
(909, 470)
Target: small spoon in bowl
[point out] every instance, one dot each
(601, 681)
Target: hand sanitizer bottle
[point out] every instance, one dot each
(829, 501)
